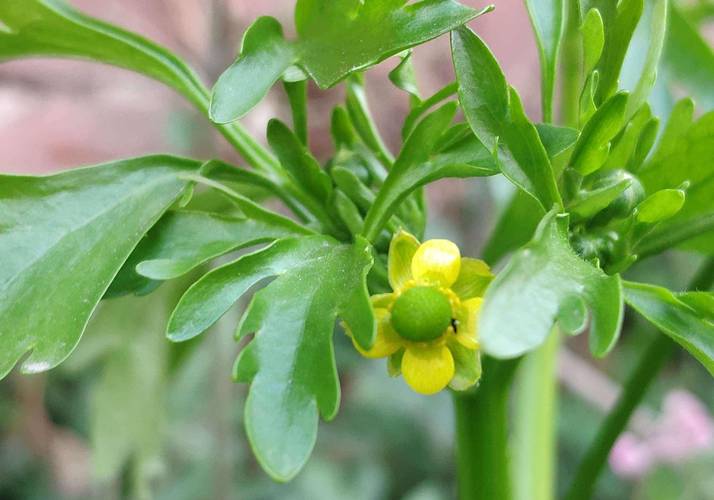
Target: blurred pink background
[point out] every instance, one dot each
(57, 114)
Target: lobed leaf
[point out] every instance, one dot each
(335, 38)
(290, 361)
(684, 157)
(339, 37)
(64, 237)
(183, 240)
(533, 289)
(264, 57)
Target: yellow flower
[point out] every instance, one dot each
(427, 325)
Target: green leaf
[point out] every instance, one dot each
(127, 398)
(298, 161)
(688, 59)
(183, 240)
(589, 202)
(660, 206)
(332, 37)
(507, 236)
(593, 146)
(348, 212)
(290, 361)
(618, 34)
(65, 236)
(593, 32)
(417, 166)
(633, 141)
(417, 112)
(52, 28)
(361, 118)
(655, 16)
(556, 140)
(403, 77)
(263, 58)
(533, 287)
(331, 44)
(586, 102)
(686, 317)
(684, 157)
(297, 96)
(547, 18)
(495, 113)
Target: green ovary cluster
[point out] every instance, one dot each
(421, 314)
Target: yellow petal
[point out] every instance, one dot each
(386, 342)
(467, 317)
(437, 262)
(401, 251)
(428, 369)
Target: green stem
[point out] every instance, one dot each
(570, 64)
(653, 359)
(482, 434)
(535, 414)
(256, 155)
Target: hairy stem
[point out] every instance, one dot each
(653, 359)
(482, 434)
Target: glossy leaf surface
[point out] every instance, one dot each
(184, 239)
(593, 146)
(496, 115)
(687, 317)
(52, 28)
(618, 34)
(264, 56)
(533, 289)
(290, 362)
(338, 37)
(335, 38)
(416, 165)
(64, 238)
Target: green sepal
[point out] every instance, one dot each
(467, 366)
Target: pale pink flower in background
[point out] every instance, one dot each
(683, 431)
(630, 457)
(685, 428)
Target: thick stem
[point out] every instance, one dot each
(535, 415)
(482, 434)
(653, 359)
